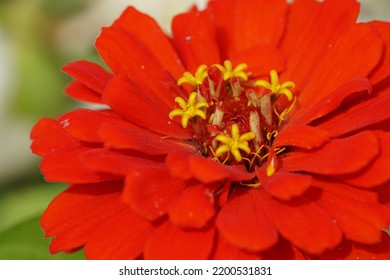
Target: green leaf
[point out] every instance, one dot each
(25, 241)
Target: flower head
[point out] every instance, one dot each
(282, 151)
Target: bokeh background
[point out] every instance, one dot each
(37, 37)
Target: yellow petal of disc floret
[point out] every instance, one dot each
(194, 80)
(275, 87)
(235, 143)
(189, 109)
(228, 71)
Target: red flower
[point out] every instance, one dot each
(259, 130)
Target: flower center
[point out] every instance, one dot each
(234, 116)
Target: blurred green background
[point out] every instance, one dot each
(37, 37)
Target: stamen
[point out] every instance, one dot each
(229, 72)
(282, 116)
(214, 155)
(251, 185)
(198, 79)
(270, 170)
(189, 109)
(235, 143)
(272, 135)
(275, 87)
(254, 125)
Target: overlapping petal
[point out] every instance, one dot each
(314, 183)
(191, 32)
(73, 216)
(122, 236)
(147, 31)
(66, 165)
(170, 242)
(48, 136)
(151, 190)
(89, 74)
(134, 103)
(340, 156)
(312, 30)
(245, 223)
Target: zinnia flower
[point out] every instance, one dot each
(260, 129)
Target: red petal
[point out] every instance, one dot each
(363, 114)
(384, 193)
(361, 221)
(283, 250)
(304, 224)
(223, 22)
(356, 251)
(80, 92)
(244, 24)
(66, 166)
(147, 31)
(89, 74)
(140, 108)
(299, 14)
(114, 162)
(129, 57)
(225, 251)
(355, 54)
(194, 36)
(305, 115)
(303, 136)
(340, 156)
(76, 213)
(48, 136)
(361, 216)
(151, 190)
(382, 71)
(380, 251)
(378, 172)
(308, 20)
(208, 171)
(179, 165)
(258, 22)
(126, 137)
(121, 237)
(284, 185)
(84, 124)
(244, 222)
(261, 59)
(344, 190)
(193, 208)
(187, 165)
(169, 242)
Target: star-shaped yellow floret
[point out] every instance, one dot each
(189, 109)
(194, 80)
(235, 143)
(276, 87)
(228, 71)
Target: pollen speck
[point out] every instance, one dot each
(65, 123)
